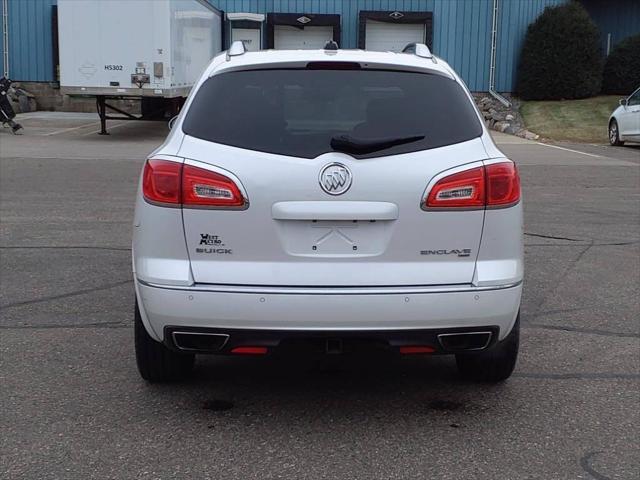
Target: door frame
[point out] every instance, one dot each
(292, 20)
(395, 17)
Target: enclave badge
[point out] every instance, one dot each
(465, 252)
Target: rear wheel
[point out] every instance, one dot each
(156, 363)
(495, 364)
(614, 134)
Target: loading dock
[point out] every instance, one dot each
(301, 31)
(392, 31)
(247, 28)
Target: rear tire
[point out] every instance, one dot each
(156, 363)
(614, 134)
(494, 365)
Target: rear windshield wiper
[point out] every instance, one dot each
(348, 144)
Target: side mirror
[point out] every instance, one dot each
(172, 121)
(623, 102)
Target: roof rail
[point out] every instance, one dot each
(418, 49)
(236, 49)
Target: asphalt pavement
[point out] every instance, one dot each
(74, 407)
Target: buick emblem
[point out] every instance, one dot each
(335, 179)
(303, 20)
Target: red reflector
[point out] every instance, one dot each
(503, 184)
(205, 188)
(416, 349)
(460, 190)
(249, 350)
(161, 181)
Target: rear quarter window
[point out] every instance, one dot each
(296, 112)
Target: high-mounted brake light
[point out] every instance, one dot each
(491, 186)
(174, 184)
(334, 66)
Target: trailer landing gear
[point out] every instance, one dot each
(152, 109)
(102, 105)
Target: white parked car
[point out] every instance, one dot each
(624, 122)
(328, 201)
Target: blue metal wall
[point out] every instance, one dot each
(2, 72)
(461, 28)
(30, 40)
(515, 17)
(620, 18)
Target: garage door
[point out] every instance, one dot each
(249, 36)
(384, 36)
(292, 38)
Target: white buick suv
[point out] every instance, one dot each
(329, 201)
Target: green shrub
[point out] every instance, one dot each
(561, 56)
(622, 68)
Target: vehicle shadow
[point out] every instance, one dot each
(334, 389)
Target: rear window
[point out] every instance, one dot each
(297, 112)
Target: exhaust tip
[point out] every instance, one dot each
(465, 341)
(199, 341)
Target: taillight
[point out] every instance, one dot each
(503, 184)
(161, 182)
(174, 184)
(204, 188)
(495, 185)
(460, 190)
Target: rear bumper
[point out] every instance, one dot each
(223, 341)
(327, 310)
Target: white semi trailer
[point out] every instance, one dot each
(154, 50)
